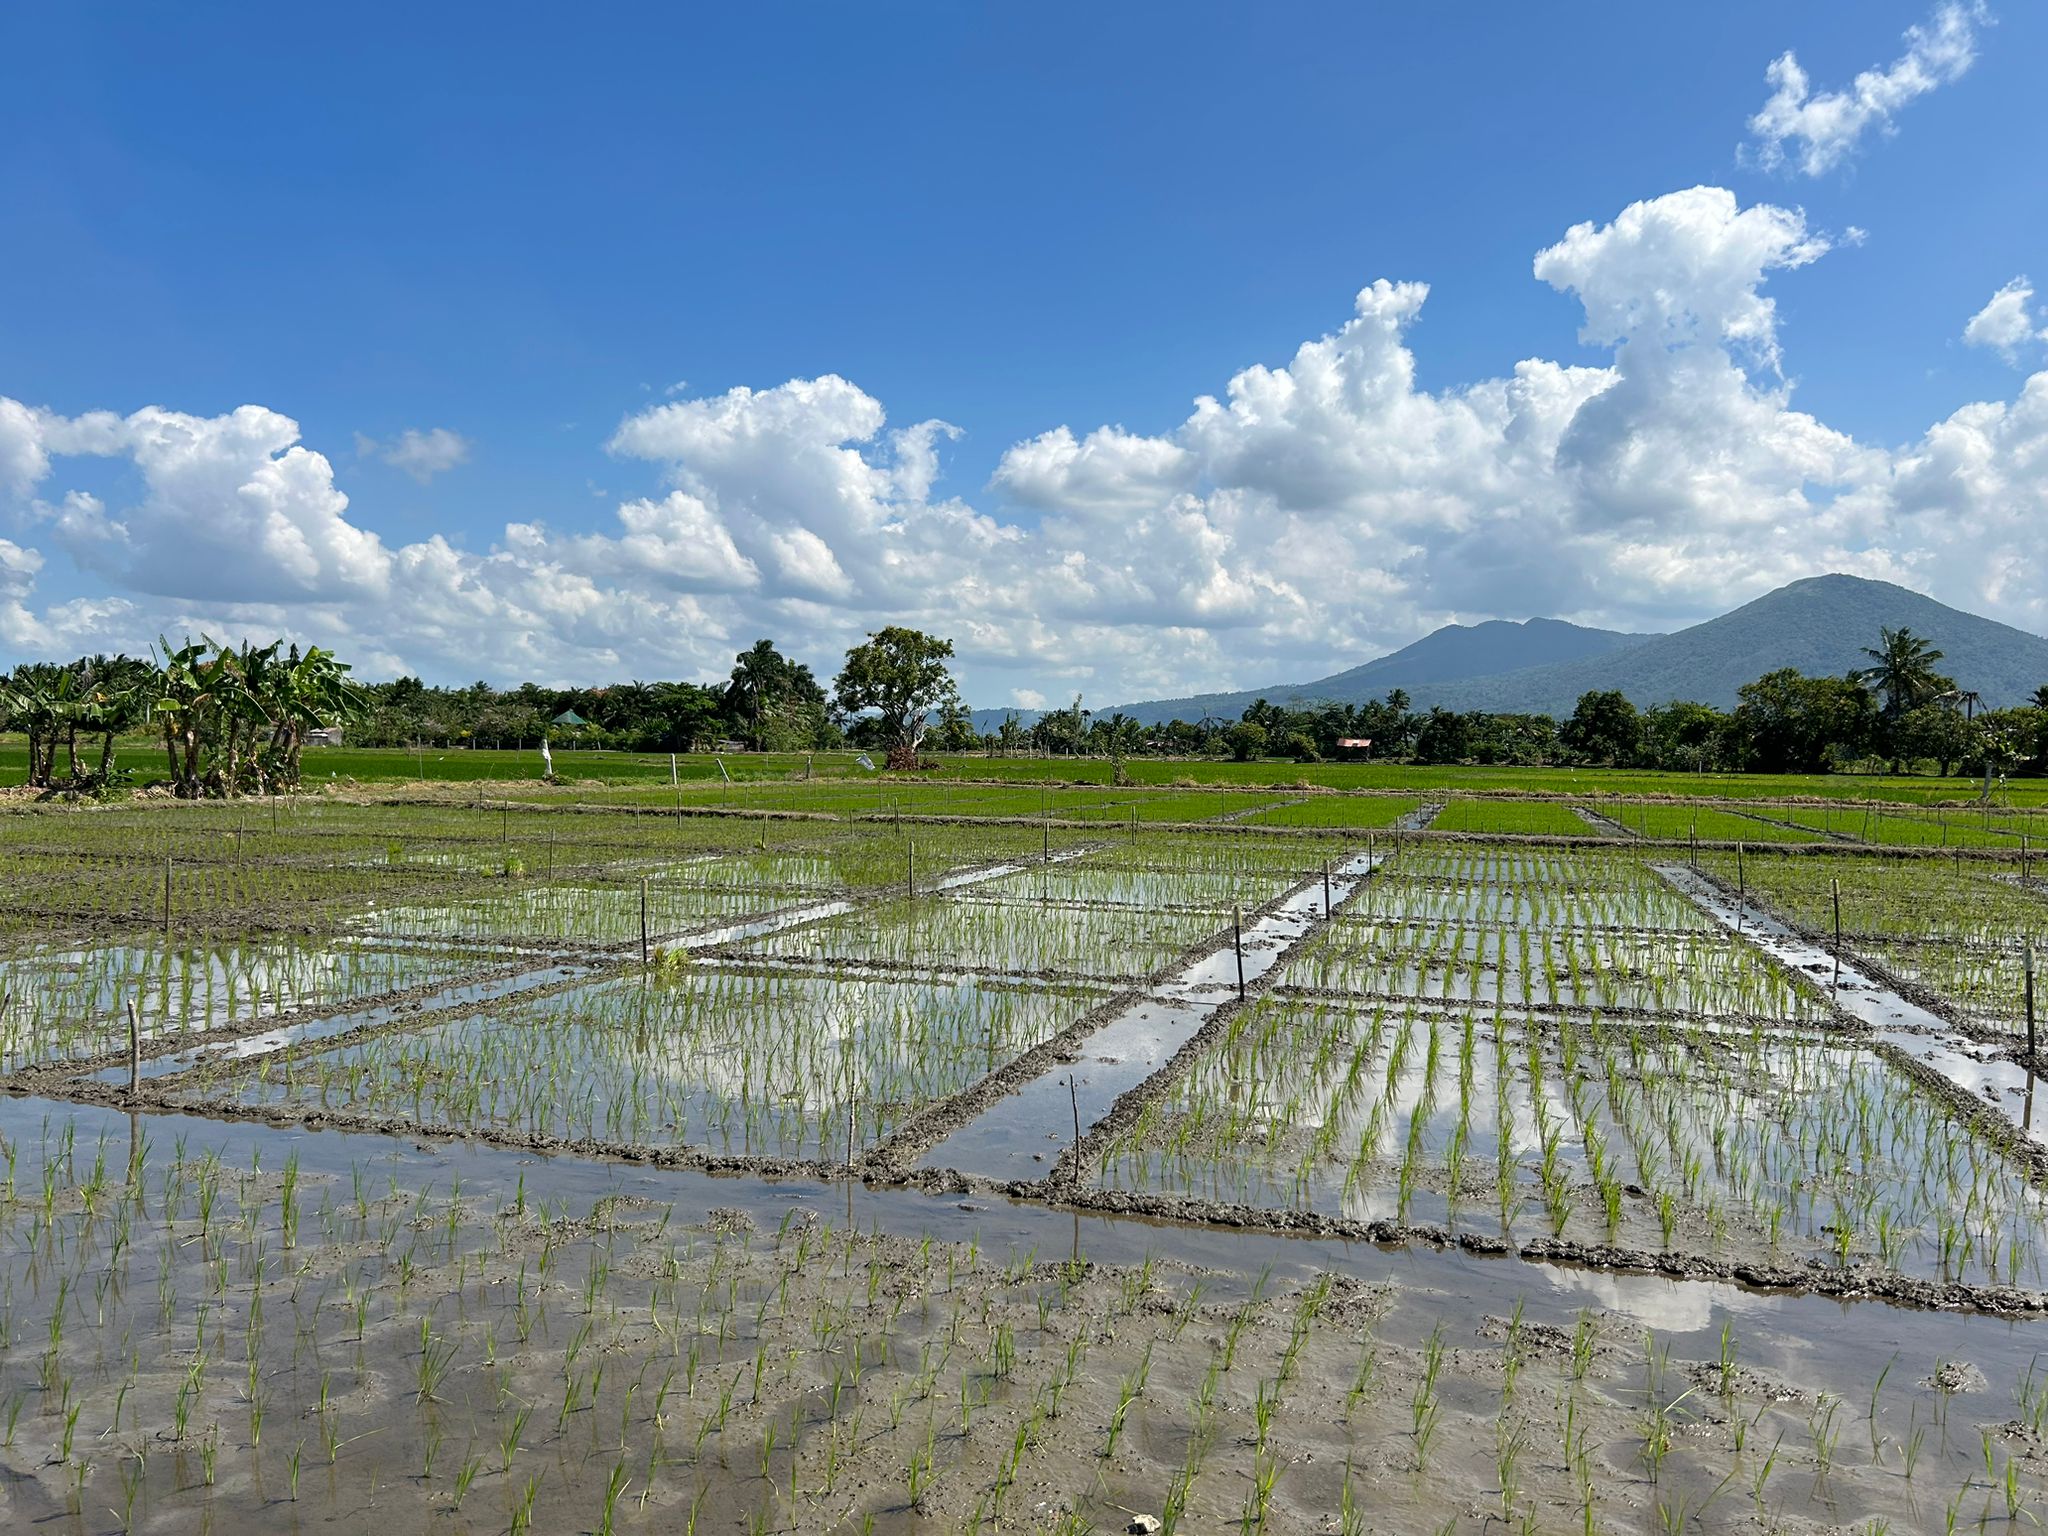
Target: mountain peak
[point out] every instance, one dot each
(1818, 624)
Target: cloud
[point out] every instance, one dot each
(2006, 323)
(1314, 510)
(23, 460)
(234, 510)
(422, 455)
(1815, 133)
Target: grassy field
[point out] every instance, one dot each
(374, 766)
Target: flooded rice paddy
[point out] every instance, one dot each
(503, 1169)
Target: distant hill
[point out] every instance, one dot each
(1454, 654)
(1819, 625)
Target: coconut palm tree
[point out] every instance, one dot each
(1902, 669)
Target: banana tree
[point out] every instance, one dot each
(33, 699)
(196, 687)
(299, 695)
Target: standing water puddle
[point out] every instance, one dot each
(1020, 1135)
(1897, 1022)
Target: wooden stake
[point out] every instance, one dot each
(167, 895)
(643, 919)
(1835, 890)
(135, 1048)
(2029, 962)
(1329, 906)
(910, 867)
(1074, 1098)
(1237, 938)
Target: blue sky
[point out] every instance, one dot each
(570, 245)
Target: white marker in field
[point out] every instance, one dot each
(547, 760)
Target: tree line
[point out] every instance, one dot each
(1896, 712)
(236, 719)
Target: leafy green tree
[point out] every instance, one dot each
(1604, 728)
(1787, 722)
(1061, 731)
(1937, 730)
(1684, 737)
(1445, 737)
(901, 674)
(1246, 740)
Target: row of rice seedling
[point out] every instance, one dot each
(1521, 818)
(1958, 928)
(1359, 812)
(1676, 1135)
(1016, 938)
(61, 1003)
(1528, 888)
(1456, 959)
(1678, 823)
(1102, 882)
(774, 1064)
(1905, 829)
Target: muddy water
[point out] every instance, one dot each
(1022, 1135)
(1926, 1037)
(750, 1354)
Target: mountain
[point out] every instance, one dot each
(1819, 625)
(1455, 654)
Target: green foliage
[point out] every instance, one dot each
(901, 675)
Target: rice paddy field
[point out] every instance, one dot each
(855, 1155)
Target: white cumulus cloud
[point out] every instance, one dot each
(1817, 131)
(2007, 322)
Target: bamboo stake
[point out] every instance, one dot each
(1237, 938)
(1329, 905)
(134, 1048)
(643, 919)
